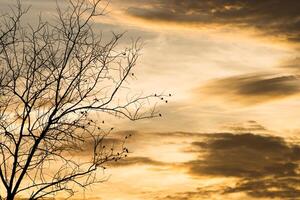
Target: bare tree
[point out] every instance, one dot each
(53, 76)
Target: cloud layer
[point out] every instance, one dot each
(265, 166)
(271, 16)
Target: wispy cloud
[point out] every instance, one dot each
(254, 88)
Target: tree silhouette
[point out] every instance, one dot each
(54, 76)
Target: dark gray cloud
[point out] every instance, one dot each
(276, 17)
(266, 165)
(255, 88)
(245, 155)
(284, 188)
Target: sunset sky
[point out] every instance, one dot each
(231, 128)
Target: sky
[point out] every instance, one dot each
(231, 128)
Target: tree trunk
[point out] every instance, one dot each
(10, 197)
